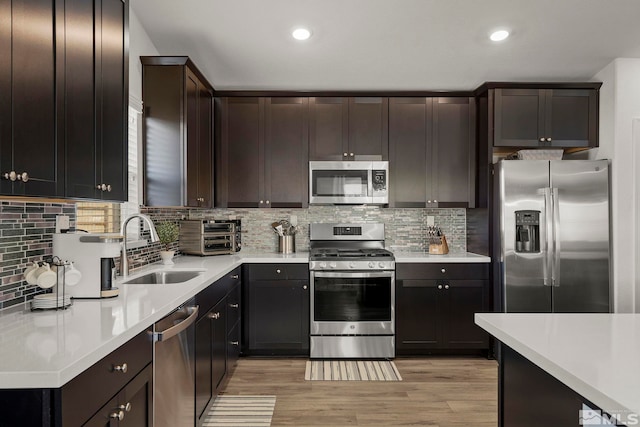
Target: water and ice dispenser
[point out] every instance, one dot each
(527, 231)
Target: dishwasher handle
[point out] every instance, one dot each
(179, 327)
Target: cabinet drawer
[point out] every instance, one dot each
(279, 271)
(217, 290)
(102, 381)
(234, 305)
(449, 271)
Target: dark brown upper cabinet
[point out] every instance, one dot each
(528, 117)
(96, 97)
(262, 152)
(178, 133)
(432, 152)
(31, 156)
(343, 128)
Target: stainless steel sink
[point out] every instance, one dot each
(163, 277)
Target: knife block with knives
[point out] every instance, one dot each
(437, 241)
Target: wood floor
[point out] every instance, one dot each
(438, 392)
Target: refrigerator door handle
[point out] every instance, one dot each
(555, 266)
(547, 259)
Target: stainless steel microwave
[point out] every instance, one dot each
(349, 183)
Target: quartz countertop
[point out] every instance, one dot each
(596, 355)
(407, 257)
(46, 349)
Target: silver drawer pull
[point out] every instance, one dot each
(214, 316)
(235, 276)
(234, 305)
(446, 286)
(117, 415)
(443, 270)
(234, 342)
(126, 407)
(304, 287)
(278, 271)
(439, 286)
(120, 368)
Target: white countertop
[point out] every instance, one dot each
(596, 355)
(46, 349)
(406, 257)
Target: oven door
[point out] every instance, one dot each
(352, 303)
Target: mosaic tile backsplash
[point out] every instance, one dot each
(405, 229)
(27, 230)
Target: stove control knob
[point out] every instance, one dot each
(323, 265)
(372, 264)
(381, 265)
(352, 265)
(332, 265)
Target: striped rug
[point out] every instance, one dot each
(241, 411)
(351, 370)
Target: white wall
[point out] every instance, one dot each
(139, 45)
(619, 105)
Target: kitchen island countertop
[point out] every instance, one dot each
(596, 355)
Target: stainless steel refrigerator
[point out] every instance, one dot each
(551, 236)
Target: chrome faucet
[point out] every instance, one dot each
(124, 261)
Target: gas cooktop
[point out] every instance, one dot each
(337, 253)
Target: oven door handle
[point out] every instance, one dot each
(352, 274)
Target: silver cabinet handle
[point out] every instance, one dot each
(268, 202)
(24, 177)
(117, 415)
(234, 343)
(548, 139)
(11, 176)
(446, 286)
(542, 139)
(235, 276)
(120, 368)
(278, 271)
(351, 154)
(304, 287)
(439, 286)
(443, 271)
(428, 201)
(214, 316)
(344, 154)
(126, 407)
(435, 201)
(109, 188)
(261, 201)
(234, 305)
(180, 326)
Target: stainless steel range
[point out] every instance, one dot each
(352, 292)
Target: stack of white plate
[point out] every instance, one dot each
(44, 301)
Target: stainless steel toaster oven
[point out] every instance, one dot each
(209, 237)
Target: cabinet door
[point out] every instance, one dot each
(453, 155)
(80, 101)
(219, 343)
(571, 117)
(240, 164)
(279, 316)
(418, 315)
(464, 299)
(205, 148)
(137, 399)
(112, 99)
(409, 127)
(286, 153)
(198, 170)
(28, 142)
(204, 387)
(368, 128)
(328, 128)
(518, 117)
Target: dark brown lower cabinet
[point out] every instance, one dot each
(103, 395)
(435, 307)
(276, 320)
(217, 330)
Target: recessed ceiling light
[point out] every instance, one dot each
(499, 35)
(301, 34)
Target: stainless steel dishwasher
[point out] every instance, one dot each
(174, 368)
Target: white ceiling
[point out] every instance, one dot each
(392, 44)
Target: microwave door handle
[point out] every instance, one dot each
(370, 185)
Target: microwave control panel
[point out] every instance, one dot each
(379, 181)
